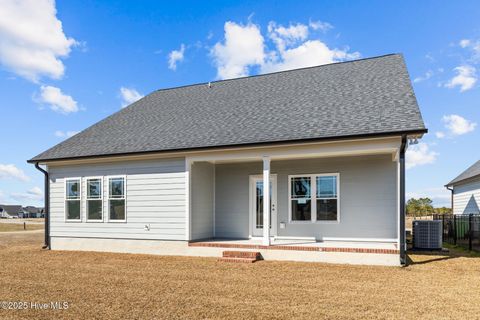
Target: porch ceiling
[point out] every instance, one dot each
(304, 151)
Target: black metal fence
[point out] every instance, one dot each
(461, 229)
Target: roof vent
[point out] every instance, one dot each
(209, 84)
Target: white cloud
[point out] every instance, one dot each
(465, 43)
(419, 154)
(474, 47)
(32, 41)
(458, 125)
(310, 53)
(57, 100)
(34, 194)
(10, 171)
(320, 25)
(65, 134)
(465, 79)
(426, 76)
(287, 36)
(294, 51)
(129, 96)
(175, 57)
(440, 134)
(243, 47)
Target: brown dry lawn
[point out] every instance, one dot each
(8, 227)
(123, 286)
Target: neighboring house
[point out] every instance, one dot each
(466, 191)
(4, 213)
(11, 211)
(33, 212)
(182, 171)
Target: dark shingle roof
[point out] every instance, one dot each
(32, 209)
(471, 172)
(12, 210)
(362, 97)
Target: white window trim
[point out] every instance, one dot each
(313, 197)
(124, 198)
(65, 198)
(101, 198)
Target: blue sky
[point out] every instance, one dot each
(69, 64)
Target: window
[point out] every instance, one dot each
(327, 204)
(116, 198)
(301, 198)
(72, 199)
(94, 199)
(314, 197)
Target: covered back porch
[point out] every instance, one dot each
(326, 197)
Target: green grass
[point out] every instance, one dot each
(461, 250)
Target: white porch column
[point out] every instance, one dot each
(188, 199)
(266, 201)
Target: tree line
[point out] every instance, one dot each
(423, 206)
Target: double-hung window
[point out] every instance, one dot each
(116, 198)
(327, 198)
(94, 199)
(72, 199)
(314, 197)
(301, 198)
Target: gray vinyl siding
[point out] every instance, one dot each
(368, 197)
(155, 196)
(232, 198)
(466, 198)
(202, 200)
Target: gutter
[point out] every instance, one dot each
(47, 206)
(451, 196)
(403, 244)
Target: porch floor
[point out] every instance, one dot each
(301, 245)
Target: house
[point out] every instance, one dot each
(466, 191)
(33, 212)
(183, 170)
(11, 211)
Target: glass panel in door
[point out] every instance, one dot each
(259, 204)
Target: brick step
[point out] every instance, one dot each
(238, 260)
(242, 254)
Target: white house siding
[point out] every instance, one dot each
(155, 196)
(202, 200)
(368, 197)
(466, 198)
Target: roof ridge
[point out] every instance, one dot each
(277, 72)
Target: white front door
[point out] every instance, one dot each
(256, 205)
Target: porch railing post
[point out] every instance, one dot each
(454, 229)
(470, 231)
(266, 201)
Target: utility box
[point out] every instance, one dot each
(427, 234)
